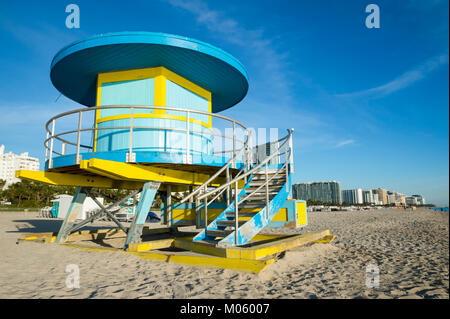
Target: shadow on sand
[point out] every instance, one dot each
(44, 226)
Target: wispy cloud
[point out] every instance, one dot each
(43, 38)
(403, 81)
(262, 49)
(343, 143)
(267, 58)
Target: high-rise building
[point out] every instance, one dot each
(411, 200)
(353, 196)
(382, 195)
(260, 152)
(419, 199)
(10, 163)
(400, 198)
(328, 192)
(376, 200)
(391, 197)
(368, 197)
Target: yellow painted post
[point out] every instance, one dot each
(160, 93)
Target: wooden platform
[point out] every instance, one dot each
(171, 245)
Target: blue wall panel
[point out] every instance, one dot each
(141, 92)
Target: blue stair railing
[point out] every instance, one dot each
(267, 187)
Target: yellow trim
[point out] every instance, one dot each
(301, 214)
(160, 93)
(151, 245)
(252, 266)
(137, 172)
(251, 259)
(274, 247)
(161, 75)
(191, 86)
(128, 75)
(146, 73)
(326, 240)
(276, 244)
(97, 113)
(64, 179)
(152, 115)
(281, 216)
(189, 214)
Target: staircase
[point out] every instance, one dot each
(266, 189)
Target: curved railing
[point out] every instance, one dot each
(66, 138)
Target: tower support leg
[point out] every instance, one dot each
(75, 208)
(145, 203)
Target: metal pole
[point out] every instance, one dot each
(291, 153)
(248, 149)
(169, 205)
(188, 140)
(236, 213)
(228, 193)
(191, 200)
(234, 143)
(287, 168)
(63, 148)
(197, 213)
(50, 161)
(130, 151)
(206, 213)
(46, 148)
(267, 194)
(77, 156)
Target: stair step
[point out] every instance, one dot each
(260, 196)
(262, 181)
(241, 214)
(217, 232)
(263, 177)
(252, 205)
(269, 171)
(272, 189)
(230, 222)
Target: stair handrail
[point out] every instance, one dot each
(249, 172)
(232, 160)
(218, 194)
(264, 184)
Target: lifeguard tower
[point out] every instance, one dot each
(152, 125)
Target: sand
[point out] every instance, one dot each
(410, 249)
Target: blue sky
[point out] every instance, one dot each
(370, 107)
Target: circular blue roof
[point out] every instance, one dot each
(74, 68)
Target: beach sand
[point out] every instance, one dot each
(410, 249)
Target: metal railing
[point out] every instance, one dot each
(202, 192)
(238, 145)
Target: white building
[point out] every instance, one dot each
(392, 198)
(62, 204)
(352, 196)
(376, 199)
(10, 163)
(368, 197)
(420, 199)
(411, 201)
